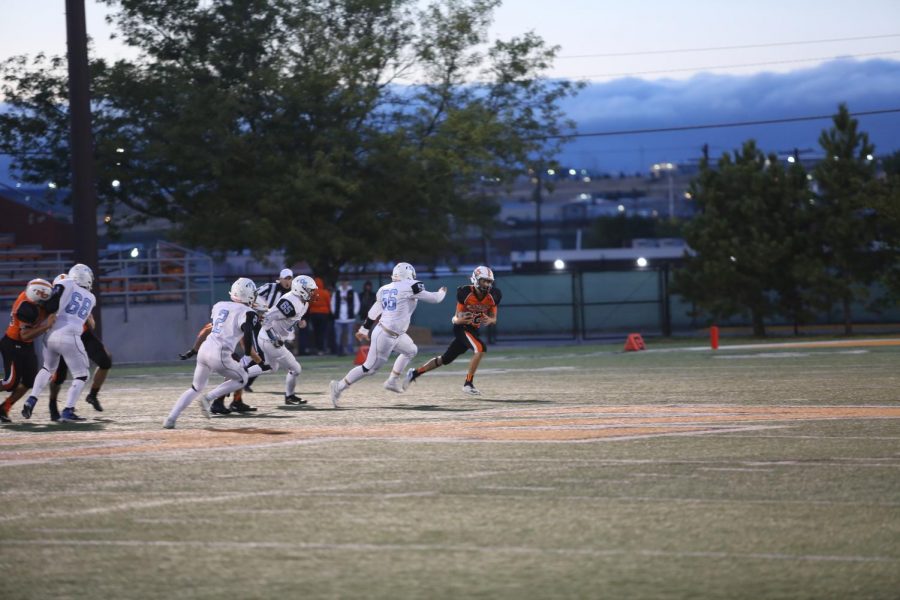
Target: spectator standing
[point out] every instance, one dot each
(366, 300)
(344, 307)
(320, 316)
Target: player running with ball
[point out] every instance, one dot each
(476, 305)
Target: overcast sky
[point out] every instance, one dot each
(649, 37)
(656, 63)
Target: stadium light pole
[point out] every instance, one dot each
(538, 199)
(84, 195)
(668, 168)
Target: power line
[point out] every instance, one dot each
(741, 47)
(717, 125)
(736, 66)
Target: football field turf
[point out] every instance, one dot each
(581, 472)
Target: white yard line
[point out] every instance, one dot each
(458, 548)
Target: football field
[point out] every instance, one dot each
(581, 472)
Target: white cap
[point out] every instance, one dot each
(286, 273)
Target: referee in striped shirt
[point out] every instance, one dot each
(270, 293)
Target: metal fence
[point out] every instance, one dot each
(165, 273)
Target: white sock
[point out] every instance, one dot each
(74, 392)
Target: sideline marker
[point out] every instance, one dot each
(714, 337)
(634, 343)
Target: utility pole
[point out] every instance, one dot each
(84, 195)
(537, 202)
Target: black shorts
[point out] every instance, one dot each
(464, 338)
(20, 363)
(96, 351)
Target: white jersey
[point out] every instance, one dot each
(227, 318)
(75, 306)
(396, 302)
(281, 318)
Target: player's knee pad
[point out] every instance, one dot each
(82, 378)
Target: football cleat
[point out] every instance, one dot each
(410, 377)
(68, 416)
(29, 407)
(470, 389)
(239, 406)
(4, 415)
(94, 401)
(218, 407)
(335, 393)
(393, 384)
(294, 399)
(204, 407)
(169, 423)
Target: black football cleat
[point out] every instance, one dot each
(294, 399)
(218, 407)
(94, 401)
(239, 406)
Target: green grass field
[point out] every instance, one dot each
(582, 472)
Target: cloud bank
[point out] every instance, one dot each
(708, 99)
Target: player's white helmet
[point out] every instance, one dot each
(482, 278)
(403, 271)
(38, 290)
(58, 278)
(81, 275)
(243, 290)
(305, 287)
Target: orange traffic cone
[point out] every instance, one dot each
(361, 355)
(634, 342)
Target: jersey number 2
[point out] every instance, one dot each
(217, 324)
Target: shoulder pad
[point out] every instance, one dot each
(417, 286)
(286, 306)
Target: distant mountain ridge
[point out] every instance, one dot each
(631, 103)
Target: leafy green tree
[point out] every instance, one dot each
(270, 124)
(846, 227)
(743, 238)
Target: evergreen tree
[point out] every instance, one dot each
(744, 239)
(846, 227)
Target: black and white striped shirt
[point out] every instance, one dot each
(271, 292)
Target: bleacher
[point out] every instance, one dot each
(166, 273)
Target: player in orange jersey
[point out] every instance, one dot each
(476, 305)
(27, 320)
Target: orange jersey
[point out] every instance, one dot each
(24, 313)
(468, 301)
